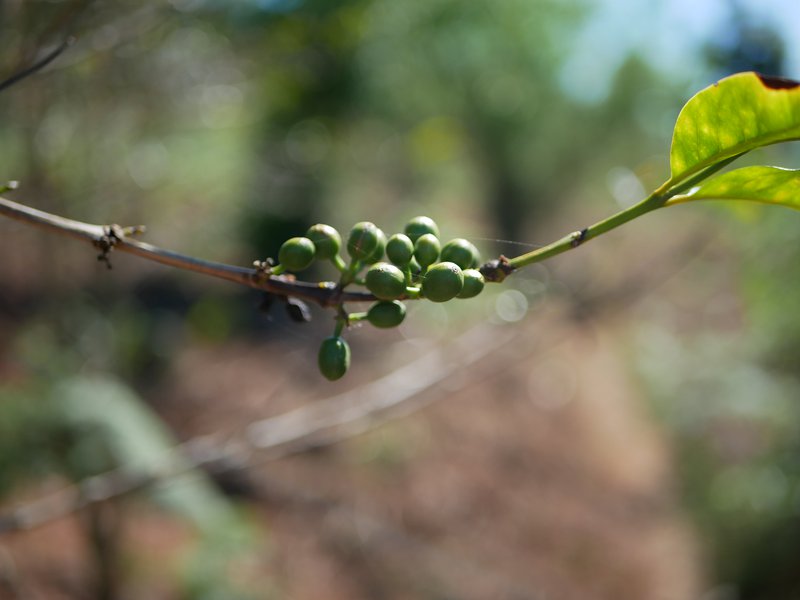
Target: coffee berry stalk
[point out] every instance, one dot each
(718, 125)
(409, 265)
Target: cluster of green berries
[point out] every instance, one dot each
(409, 265)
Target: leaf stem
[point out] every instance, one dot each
(577, 238)
(497, 270)
(687, 184)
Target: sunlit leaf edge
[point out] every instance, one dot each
(767, 185)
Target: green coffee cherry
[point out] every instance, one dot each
(400, 249)
(442, 282)
(419, 226)
(327, 241)
(377, 254)
(473, 284)
(386, 281)
(461, 252)
(364, 240)
(334, 357)
(296, 253)
(386, 314)
(426, 249)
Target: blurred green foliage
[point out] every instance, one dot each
(29, 431)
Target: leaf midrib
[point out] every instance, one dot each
(741, 148)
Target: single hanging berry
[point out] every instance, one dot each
(334, 357)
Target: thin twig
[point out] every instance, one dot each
(388, 397)
(38, 65)
(321, 423)
(112, 237)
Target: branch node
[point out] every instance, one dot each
(497, 270)
(9, 186)
(106, 238)
(133, 230)
(112, 235)
(263, 269)
(578, 237)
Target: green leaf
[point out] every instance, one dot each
(735, 115)
(139, 440)
(770, 185)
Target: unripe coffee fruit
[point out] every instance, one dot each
(426, 249)
(296, 253)
(385, 281)
(419, 226)
(443, 282)
(333, 358)
(400, 249)
(386, 314)
(461, 252)
(364, 239)
(327, 241)
(473, 284)
(377, 254)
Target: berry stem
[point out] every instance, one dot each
(349, 275)
(356, 317)
(339, 263)
(341, 323)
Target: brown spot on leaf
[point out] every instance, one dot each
(777, 83)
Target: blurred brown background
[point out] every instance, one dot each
(620, 422)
